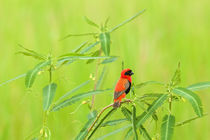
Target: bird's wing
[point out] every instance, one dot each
(121, 87)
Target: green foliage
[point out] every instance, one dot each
(48, 95)
(90, 22)
(105, 42)
(76, 98)
(84, 130)
(167, 127)
(199, 86)
(144, 133)
(189, 120)
(109, 60)
(192, 98)
(148, 83)
(134, 122)
(31, 75)
(154, 106)
(113, 122)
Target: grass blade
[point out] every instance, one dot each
(114, 132)
(31, 75)
(113, 122)
(176, 79)
(76, 98)
(109, 60)
(128, 20)
(90, 22)
(199, 86)
(96, 53)
(79, 47)
(167, 127)
(89, 47)
(84, 130)
(144, 133)
(72, 91)
(192, 98)
(148, 83)
(134, 122)
(99, 82)
(189, 120)
(155, 105)
(105, 42)
(48, 95)
(74, 35)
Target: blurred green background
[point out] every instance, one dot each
(152, 45)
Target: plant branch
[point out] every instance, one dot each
(99, 115)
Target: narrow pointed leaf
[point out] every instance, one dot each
(199, 86)
(127, 113)
(89, 47)
(31, 75)
(90, 22)
(109, 60)
(48, 95)
(114, 122)
(72, 91)
(176, 79)
(83, 132)
(76, 98)
(155, 105)
(100, 80)
(96, 53)
(167, 127)
(192, 98)
(128, 134)
(126, 21)
(134, 122)
(74, 35)
(148, 83)
(189, 120)
(144, 133)
(148, 96)
(105, 42)
(114, 132)
(13, 79)
(77, 49)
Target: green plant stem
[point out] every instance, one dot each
(95, 84)
(98, 116)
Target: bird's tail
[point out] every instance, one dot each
(116, 104)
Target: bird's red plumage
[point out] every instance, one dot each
(122, 85)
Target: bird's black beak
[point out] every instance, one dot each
(131, 73)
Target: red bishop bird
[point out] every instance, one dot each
(122, 87)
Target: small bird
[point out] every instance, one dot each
(122, 87)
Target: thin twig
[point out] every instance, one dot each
(105, 108)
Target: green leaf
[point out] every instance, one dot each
(90, 22)
(73, 35)
(96, 53)
(99, 82)
(148, 83)
(13, 79)
(31, 53)
(127, 113)
(144, 133)
(72, 55)
(155, 105)
(72, 91)
(113, 122)
(189, 120)
(89, 47)
(149, 96)
(192, 98)
(76, 98)
(83, 132)
(127, 21)
(102, 120)
(128, 134)
(109, 60)
(167, 127)
(114, 132)
(48, 95)
(105, 42)
(31, 75)
(176, 79)
(70, 58)
(77, 49)
(134, 122)
(199, 86)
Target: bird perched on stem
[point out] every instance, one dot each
(122, 87)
